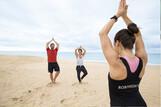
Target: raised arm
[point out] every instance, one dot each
(106, 44)
(57, 44)
(83, 50)
(47, 44)
(108, 50)
(76, 54)
(140, 48)
(139, 44)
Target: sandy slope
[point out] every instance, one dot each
(24, 83)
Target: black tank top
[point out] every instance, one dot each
(125, 93)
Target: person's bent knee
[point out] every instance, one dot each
(58, 72)
(51, 72)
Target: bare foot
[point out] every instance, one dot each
(53, 82)
(50, 84)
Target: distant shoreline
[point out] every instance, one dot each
(86, 60)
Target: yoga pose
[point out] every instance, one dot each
(52, 59)
(126, 67)
(80, 53)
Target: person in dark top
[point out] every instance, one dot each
(126, 67)
(52, 59)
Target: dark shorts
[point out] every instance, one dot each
(53, 66)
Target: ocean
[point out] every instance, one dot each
(153, 58)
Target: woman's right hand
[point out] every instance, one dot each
(122, 9)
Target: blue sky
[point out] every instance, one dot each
(29, 24)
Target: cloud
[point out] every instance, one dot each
(29, 24)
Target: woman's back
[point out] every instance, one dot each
(124, 76)
(126, 92)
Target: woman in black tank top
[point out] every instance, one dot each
(123, 83)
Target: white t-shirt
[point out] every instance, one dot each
(80, 61)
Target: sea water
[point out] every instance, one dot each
(153, 58)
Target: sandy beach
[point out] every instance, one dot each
(24, 83)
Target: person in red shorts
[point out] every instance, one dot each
(52, 50)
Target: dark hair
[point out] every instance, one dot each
(80, 49)
(126, 36)
(52, 44)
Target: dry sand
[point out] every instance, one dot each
(24, 83)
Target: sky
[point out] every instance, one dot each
(26, 25)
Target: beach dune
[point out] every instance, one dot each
(24, 83)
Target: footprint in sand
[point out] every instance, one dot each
(38, 88)
(29, 91)
(68, 100)
(85, 91)
(76, 83)
(21, 100)
(85, 83)
(42, 95)
(75, 96)
(75, 92)
(15, 99)
(62, 101)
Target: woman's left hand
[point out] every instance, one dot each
(122, 9)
